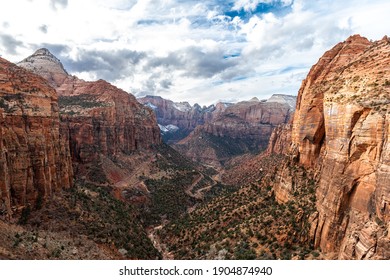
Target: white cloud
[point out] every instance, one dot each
(189, 50)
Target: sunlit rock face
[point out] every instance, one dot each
(341, 132)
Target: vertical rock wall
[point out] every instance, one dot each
(34, 157)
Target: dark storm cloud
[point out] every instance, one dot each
(10, 44)
(43, 28)
(56, 4)
(195, 62)
(108, 65)
(166, 84)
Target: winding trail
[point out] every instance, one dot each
(152, 231)
(189, 190)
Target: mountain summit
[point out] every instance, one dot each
(44, 63)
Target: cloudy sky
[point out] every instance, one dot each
(198, 51)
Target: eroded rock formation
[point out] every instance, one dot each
(177, 119)
(102, 119)
(341, 132)
(241, 128)
(34, 153)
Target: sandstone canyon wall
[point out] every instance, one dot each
(341, 133)
(34, 154)
(244, 127)
(101, 118)
(178, 119)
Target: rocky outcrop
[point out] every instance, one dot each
(279, 142)
(341, 132)
(34, 154)
(101, 119)
(104, 120)
(241, 128)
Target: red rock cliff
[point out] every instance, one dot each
(341, 131)
(101, 118)
(241, 128)
(34, 157)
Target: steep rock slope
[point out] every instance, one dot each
(241, 128)
(341, 132)
(34, 153)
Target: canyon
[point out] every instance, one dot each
(215, 134)
(329, 166)
(285, 178)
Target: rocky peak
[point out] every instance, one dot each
(102, 120)
(221, 107)
(356, 38)
(44, 63)
(46, 54)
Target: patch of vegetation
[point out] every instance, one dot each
(171, 195)
(169, 159)
(93, 212)
(356, 78)
(96, 174)
(228, 147)
(6, 99)
(168, 198)
(82, 100)
(248, 223)
(3, 104)
(173, 137)
(25, 215)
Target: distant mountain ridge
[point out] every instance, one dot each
(178, 119)
(180, 115)
(237, 129)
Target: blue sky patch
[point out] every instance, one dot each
(262, 8)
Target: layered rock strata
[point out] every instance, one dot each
(178, 119)
(341, 132)
(241, 128)
(101, 118)
(34, 154)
